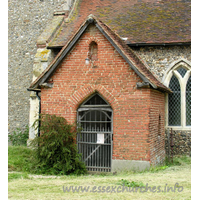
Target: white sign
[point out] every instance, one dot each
(100, 138)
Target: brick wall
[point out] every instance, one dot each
(112, 77)
(156, 126)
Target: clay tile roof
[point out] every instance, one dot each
(126, 52)
(141, 21)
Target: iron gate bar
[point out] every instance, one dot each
(99, 145)
(96, 110)
(93, 132)
(100, 109)
(97, 106)
(98, 167)
(108, 144)
(96, 121)
(95, 117)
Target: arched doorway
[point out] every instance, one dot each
(95, 138)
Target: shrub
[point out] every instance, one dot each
(55, 150)
(19, 137)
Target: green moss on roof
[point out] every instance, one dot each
(50, 30)
(147, 22)
(152, 22)
(74, 14)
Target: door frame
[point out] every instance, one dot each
(100, 108)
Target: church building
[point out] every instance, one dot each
(121, 70)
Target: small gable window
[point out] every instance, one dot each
(93, 51)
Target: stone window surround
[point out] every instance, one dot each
(172, 70)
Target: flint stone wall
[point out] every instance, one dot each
(160, 58)
(181, 141)
(26, 21)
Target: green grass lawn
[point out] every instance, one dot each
(24, 185)
(18, 158)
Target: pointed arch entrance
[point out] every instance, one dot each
(95, 138)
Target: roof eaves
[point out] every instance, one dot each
(177, 43)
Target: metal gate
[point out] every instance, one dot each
(95, 138)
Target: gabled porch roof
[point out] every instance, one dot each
(126, 52)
